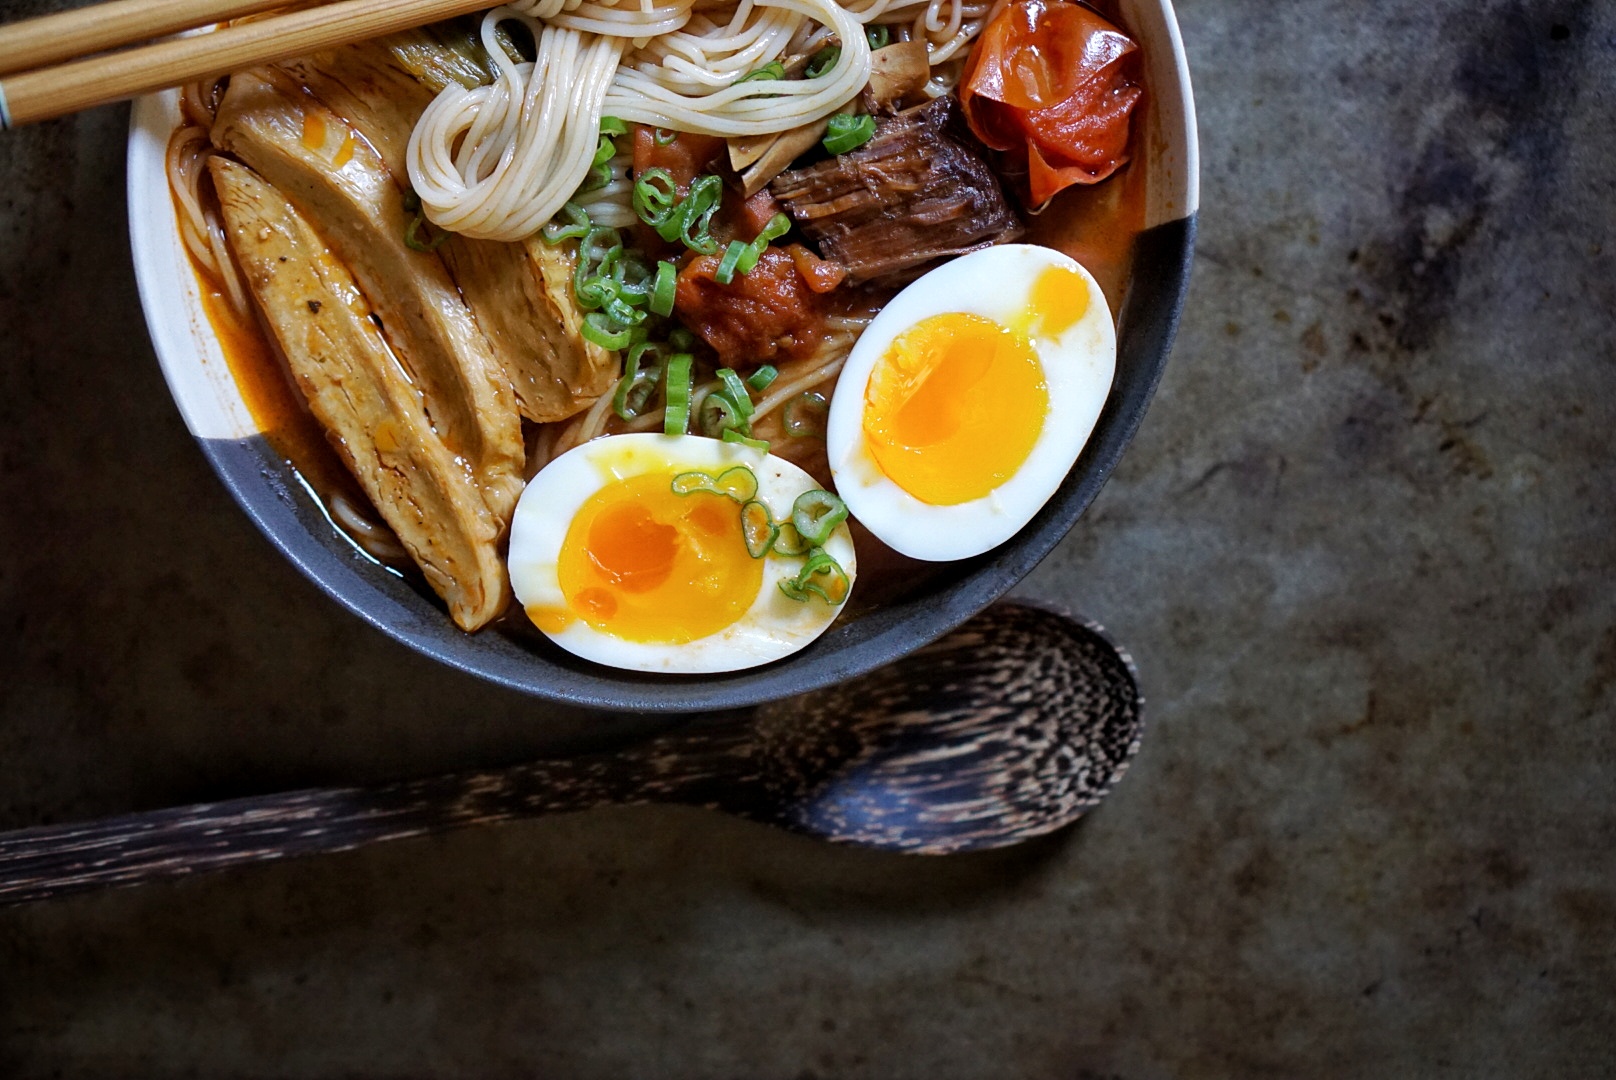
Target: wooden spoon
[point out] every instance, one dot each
(1010, 727)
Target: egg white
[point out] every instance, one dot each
(1079, 364)
(774, 626)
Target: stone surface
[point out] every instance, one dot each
(1362, 551)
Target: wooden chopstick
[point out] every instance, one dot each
(98, 80)
(33, 43)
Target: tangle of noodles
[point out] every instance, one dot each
(201, 231)
(498, 161)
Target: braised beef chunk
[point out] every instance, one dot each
(915, 193)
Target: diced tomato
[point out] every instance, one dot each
(769, 313)
(1057, 80)
(685, 156)
(747, 217)
(822, 275)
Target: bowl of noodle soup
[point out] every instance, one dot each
(494, 158)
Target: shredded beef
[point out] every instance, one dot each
(917, 192)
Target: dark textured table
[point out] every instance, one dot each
(1364, 550)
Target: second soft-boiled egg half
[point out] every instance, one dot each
(678, 554)
(968, 398)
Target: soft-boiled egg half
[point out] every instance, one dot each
(666, 553)
(968, 398)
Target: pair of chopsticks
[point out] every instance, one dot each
(60, 64)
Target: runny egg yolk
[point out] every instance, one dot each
(643, 564)
(954, 406)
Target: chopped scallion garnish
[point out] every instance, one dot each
(665, 288)
(822, 61)
(576, 228)
(731, 260)
(611, 125)
(805, 415)
(731, 436)
(737, 482)
(821, 575)
(816, 514)
(635, 388)
(598, 330)
(879, 37)
(664, 137)
(847, 132)
(415, 243)
(735, 389)
(718, 413)
(772, 70)
(600, 169)
(698, 209)
(758, 528)
(761, 379)
(676, 394)
(655, 197)
(789, 541)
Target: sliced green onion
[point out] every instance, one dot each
(848, 132)
(731, 260)
(706, 192)
(577, 227)
(758, 528)
(599, 248)
(736, 391)
(822, 61)
(681, 339)
(879, 37)
(777, 227)
(415, 243)
(611, 125)
(599, 330)
(797, 423)
(772, 70)
(718, 414)
(412, 201)
(816, 514)
(737, 482)
(656, 201)
(730, 435)
(664, 137)
(750, 255)
(635, 388)
(632, 277)
(823, 576)
(655, 196)
(789, 541)
(662, 293)
(622, 312)
(760, 379)
(676, 393)
(600, 169)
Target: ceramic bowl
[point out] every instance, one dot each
(270, 492)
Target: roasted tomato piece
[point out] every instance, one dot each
(822, 275)
(1058, 81)
(771, 313)
(684, 155)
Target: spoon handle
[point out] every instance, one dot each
(692, 767)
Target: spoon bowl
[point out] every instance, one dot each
(1011, 727)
